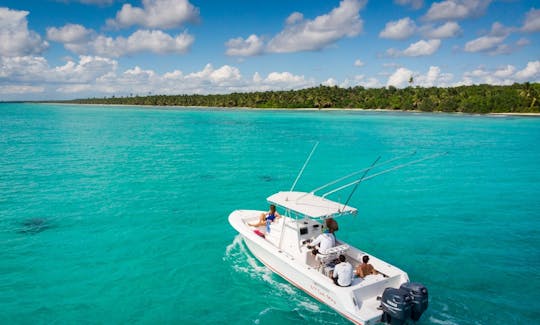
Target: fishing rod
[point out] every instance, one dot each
(361, 178)
(384, 172)
(303, 167)
(360, 171)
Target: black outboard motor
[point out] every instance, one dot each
(419, 296)
(396, 305)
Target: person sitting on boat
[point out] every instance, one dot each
(343, 272)
(271, 215)
(325, 241)
(365, 268)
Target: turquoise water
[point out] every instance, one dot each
(119, 214)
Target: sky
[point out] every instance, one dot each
(65, 49)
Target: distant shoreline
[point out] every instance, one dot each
(304, 109)
(473, 99)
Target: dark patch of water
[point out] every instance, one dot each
(33, 225)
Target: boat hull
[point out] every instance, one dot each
(288, 273)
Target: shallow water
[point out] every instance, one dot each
(119, 214)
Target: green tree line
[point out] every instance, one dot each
(516, 98)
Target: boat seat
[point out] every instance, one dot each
(332, 253)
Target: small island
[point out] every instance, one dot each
(479, 99)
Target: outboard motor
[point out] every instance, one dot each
(419, 296)
(396, 305)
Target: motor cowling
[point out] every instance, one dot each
(396, 305)
(419, 297)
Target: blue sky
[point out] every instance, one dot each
(61, 49)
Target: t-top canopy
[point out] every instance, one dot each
(310, 204)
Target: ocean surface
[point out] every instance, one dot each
(119, 214)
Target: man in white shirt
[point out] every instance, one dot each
(343, 273)
(325, 241)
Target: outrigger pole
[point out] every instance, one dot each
(383, 172)
(363, 170)
(361, 178)
(303, 167)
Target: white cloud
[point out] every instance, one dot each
(224, 74)
(20, 89)
(399, 29)
(24, 77)
(415, 4)
(358, 63)
(309, 35)
(86, 70)
(302, 34)
(505, 72)
(433, 77)
(138, 75)
(400, 78)
(294, 18)
(157, 41)
(283, 77)
(361, 80)
(330, 82)
(456, 9)
(530, 73)
(208, 80)
(282, 81)
(154, 41)
(156, 14)
(83, 41)
(174, 75)
(477, 73)
(532, 21)
(100, 76)
(505, 75)
(492, 42)
(23, 69)
(257, 77)
(252, 45)
(420, 48)
(447, 30)
(523, 42)
(70, 33)
(484, 43)
(370, 83)
(498, 29)
(36, 70)
(508, 49)
(15, 38)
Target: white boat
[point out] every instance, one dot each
(283, 247)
